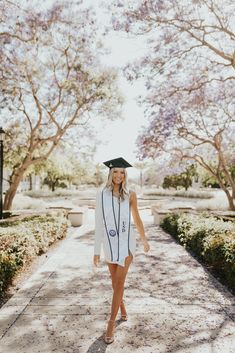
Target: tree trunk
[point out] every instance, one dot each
(228, 175)
(10, 193)
(233, 193)
(15, 180)
(30, 182)
(18, 174)
(230, 198)
(221, 183)
(141, 179)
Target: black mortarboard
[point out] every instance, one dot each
(117, 163)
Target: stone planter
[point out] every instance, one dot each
(76, 217)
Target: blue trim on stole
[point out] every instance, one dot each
(106, 225)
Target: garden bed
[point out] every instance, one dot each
(211, 239)
(23, 239)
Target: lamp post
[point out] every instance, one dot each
(2, 132)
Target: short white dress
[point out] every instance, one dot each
(113, 229)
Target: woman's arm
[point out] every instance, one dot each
(137, 220)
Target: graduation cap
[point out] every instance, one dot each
(117, 163)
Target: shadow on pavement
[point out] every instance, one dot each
(99, 346)
(175, 306)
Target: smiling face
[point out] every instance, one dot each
(118, 176)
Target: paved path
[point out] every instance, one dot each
(173, 304)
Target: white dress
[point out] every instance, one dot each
(122, 248)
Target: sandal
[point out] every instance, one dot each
(109, 339)
(124, 316)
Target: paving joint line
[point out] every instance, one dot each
(22, 312)
(31, 299)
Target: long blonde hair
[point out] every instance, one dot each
(124, 192)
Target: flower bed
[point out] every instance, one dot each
(210, 238)
(22, 240)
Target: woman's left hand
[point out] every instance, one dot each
(146, 245)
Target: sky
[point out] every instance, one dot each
(119, 137)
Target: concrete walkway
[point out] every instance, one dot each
(173, 304)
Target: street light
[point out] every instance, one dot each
(2, 132)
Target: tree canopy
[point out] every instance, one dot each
(189, 75)
(52, 81)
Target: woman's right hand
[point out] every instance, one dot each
(96, 260)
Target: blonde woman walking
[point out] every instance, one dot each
(114, 206)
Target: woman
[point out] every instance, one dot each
(112, 228)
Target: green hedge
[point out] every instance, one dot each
(22, 240)
(211, 239)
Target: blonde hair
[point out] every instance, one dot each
(124, 192)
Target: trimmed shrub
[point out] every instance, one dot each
(22, 240)
(170, 224)
(211, 239)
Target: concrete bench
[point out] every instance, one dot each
(226, 215)
(159, 213)
(182, 209)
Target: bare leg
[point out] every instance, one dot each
(118, 276)
(118, 280)
(112, 270)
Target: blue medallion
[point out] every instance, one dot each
(112, 232)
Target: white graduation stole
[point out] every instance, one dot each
(117, 227)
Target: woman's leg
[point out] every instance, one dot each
(119, 276)
(112, 270)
